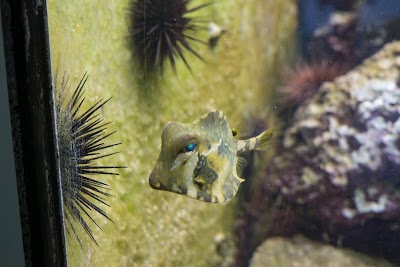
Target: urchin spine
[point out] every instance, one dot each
(161, 31)
(82, 140)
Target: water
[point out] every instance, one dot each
(331, 174)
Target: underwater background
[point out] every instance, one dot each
(302, 203)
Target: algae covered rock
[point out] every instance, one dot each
(154, 228)
(300, 252)
(340, 160)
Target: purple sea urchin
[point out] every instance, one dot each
(82, 138)
(161, 30)
(305, 79)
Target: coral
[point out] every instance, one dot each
(339, 162)
(299, 251)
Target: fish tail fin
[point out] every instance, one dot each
(264, 139)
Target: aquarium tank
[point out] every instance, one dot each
(201, 133)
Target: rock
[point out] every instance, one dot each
(339, 163)
(301, 252)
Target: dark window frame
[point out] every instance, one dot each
(32, 112)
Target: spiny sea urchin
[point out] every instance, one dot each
(305, 79)
(82, 139)
(161, 30)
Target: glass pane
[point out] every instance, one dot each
(328, 173)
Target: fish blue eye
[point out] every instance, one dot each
(190, 147)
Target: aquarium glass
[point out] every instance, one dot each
(307, 131)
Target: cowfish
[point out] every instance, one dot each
(201, 159)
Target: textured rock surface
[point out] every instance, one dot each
(336, 177)
(349, 138)
(301, 252)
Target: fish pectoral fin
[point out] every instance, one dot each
(240, 165)
(199, 181)
(264, 139)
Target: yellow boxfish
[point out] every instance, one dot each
(200, 159)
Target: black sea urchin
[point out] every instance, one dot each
(161, 30)
(82, 140)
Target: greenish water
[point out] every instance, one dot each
(154, 228)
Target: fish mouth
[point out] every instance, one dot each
(154, 181)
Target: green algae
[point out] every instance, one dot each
(154, 228)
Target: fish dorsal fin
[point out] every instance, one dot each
(244, 130)
(214, 125)
(264, 139)
(240, 165)
(213, 120)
